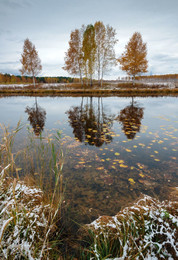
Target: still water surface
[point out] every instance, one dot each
(115, 148)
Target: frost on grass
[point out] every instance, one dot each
(147, 230)
(23, 219)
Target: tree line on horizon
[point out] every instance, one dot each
(12, 79)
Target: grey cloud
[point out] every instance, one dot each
(48, 23)
(8, 63)
(165, 58)
(4, 32)
(15, 3)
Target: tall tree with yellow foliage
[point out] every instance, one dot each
(105, 38)
(133, 60)
(31, 63)
(74, 56)
(89, 51)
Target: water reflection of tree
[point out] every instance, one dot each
(36, 117)
(130, 117)
(90, 123)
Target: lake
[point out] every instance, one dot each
(115, 148)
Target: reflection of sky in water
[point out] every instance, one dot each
(12, 108)
(120, 169)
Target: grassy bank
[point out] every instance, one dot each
(75, 89)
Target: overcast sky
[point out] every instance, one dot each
(48, 24)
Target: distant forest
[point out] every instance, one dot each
(11, 79)
(166, 77)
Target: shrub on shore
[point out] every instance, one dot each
(146, 230)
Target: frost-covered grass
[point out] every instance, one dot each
(147, 230)
(28, 214)
(108, 88)
(26, 222)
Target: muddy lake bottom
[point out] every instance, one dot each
(115, 148)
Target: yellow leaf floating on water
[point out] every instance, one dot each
(131, 167)
(102, 160)
(157, 160)
(81, 162)
(142, 175)
(135, 146)
(131, 181)
(128, 150)
(155, 151)
(113, 167)
(123, 165)
(174, 150)
(117, 153)
(100, 168)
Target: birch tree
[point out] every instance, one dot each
(89, 51)
(105, 37)
(100, 35)
(74, 56)
(133, 60)
(31, 63)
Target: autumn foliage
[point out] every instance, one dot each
(133, 59)
(31, 63)
(91, 51)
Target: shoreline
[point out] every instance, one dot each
(29, 91)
